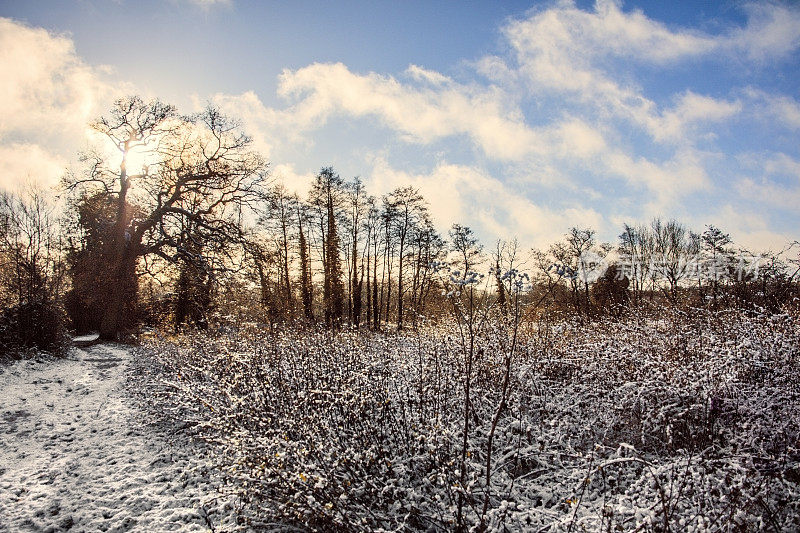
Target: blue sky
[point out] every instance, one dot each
(516, 118)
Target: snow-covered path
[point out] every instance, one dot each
(77, 454)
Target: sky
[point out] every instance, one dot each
(514, 118)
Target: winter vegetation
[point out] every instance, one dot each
(345, 366)
(686, 422)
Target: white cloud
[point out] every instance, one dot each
(748, 228)
(574, 137)
(209, 4)
(264, 124)
(568, 52)
(691, 109)
(565, 51)
(432, 108)
(47, 97)
(773, 179)
(295, 182)
(665, 182)
(783, 164)
(21, 164)
(563, 55)
(438, 108)
(770, 193)
(426, 108)
(772, 31)
(565, 31)
(563, 112)
(468, 195)
(773, 107)
(425, 75)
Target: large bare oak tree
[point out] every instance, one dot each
(178, 184)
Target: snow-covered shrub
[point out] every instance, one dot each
(687, 421)
(324, 430)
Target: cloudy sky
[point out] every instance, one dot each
(515, 118)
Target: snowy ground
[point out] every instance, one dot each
(76, 453)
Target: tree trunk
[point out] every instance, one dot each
(400, 290)
(286, 281)
(120, 295)
(369, 291)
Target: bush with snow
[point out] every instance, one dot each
(688, 421)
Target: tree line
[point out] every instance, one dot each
(176, 219)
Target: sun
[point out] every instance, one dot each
(138, 158)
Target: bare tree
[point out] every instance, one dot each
(30, 249)
(581, 243)
(31, 273)
(471, 311)
(306, 284)
(636, 249)
(410, 208)
(427, 248)
(675, 247)
(326, 197)
(357, 205)
(389, 217)
(278, 220)
(464, 244)
(373, 223)
(498, 276)
(202, 160)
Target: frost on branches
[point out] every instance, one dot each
(684, 422)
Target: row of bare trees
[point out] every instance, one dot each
(180, 212)
(372, 256)
(184, 203)
(664, 261)
(32, 273)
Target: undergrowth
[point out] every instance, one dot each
(683, 422)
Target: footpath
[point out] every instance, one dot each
(77, 454)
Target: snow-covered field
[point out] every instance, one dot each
(78, 453)
(686, 423)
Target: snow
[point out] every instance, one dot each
(676, 420)
(85, 340)
(78, 452)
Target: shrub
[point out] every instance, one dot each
(685, 421)
(31, 326)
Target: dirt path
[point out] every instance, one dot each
(76, 454)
